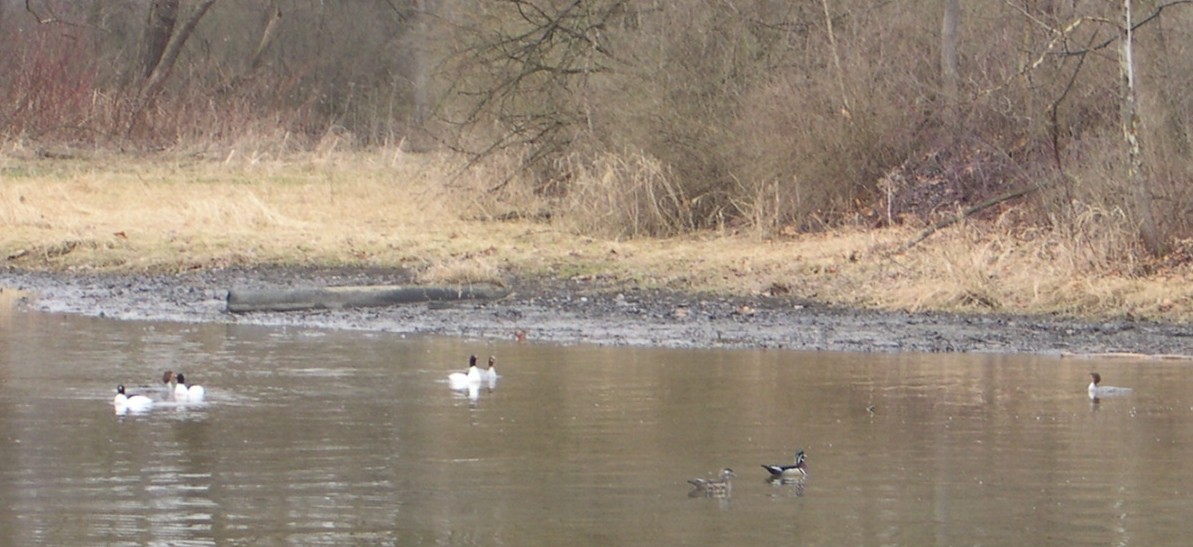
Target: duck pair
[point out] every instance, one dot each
(721, 486)
(461, 380)
(182, 391)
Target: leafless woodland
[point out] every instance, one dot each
(776, 115)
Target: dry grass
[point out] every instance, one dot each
(389, 209)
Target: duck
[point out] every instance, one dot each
(460, 380)
(798, 471)
(491, 372)
(134, 402)
(1096, 390)
(720, 487)
(185, 392)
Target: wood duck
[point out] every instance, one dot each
(790, 472)
(714, 488)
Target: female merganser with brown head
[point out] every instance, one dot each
(491, 372)
(1097, 390)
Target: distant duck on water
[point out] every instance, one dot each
(1096, 390)
(134, 402)
(491, 372)
(798, 471)
(194, 393)
(182, 391)
(720, 487)
(461, 380)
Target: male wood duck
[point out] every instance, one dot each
(789, 472)
(714, 488)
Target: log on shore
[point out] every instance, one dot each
(317, 298)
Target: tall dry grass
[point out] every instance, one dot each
(421, 214)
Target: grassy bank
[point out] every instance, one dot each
(424, 213)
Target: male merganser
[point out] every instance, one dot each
(491, 372)
(184, 392)
(134, 402)
(714, 488)
(789, 472)
(460, 380)
(1096, 391)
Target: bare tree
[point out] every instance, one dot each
(1148, 230)
(161, 70)
(520, 72)
(948, 60)
(165, 64)
(163, 14)
(273, 19)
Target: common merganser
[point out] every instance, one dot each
(789, 472)
(134, 402)
(1096, 390)
(720, 487)
(460, 380)
(184, 392)
(491, 372)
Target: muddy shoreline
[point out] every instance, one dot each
(589, 312)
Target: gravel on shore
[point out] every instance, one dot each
(585, 312)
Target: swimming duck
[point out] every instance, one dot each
(190, 393)
(1096, 390)
(491, 372)
(134, 402)
(714, 488)
(789, 472)
(460, 380)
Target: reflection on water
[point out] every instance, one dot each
(312, 437)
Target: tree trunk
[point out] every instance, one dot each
(421, 65)
(1148, 230)
(161, 71)
(267, 35)
(332, 298)
(846, 108)
(162, 16)
(948, 62)
(157, 77)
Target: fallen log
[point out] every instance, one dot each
(317, 298)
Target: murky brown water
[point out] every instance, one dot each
(312, 437)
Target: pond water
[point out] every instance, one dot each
(321, 437)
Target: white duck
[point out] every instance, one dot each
(460, 380)
(1097, 391)
(135, 402)
(184, 392)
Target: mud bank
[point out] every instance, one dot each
(585, 312)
